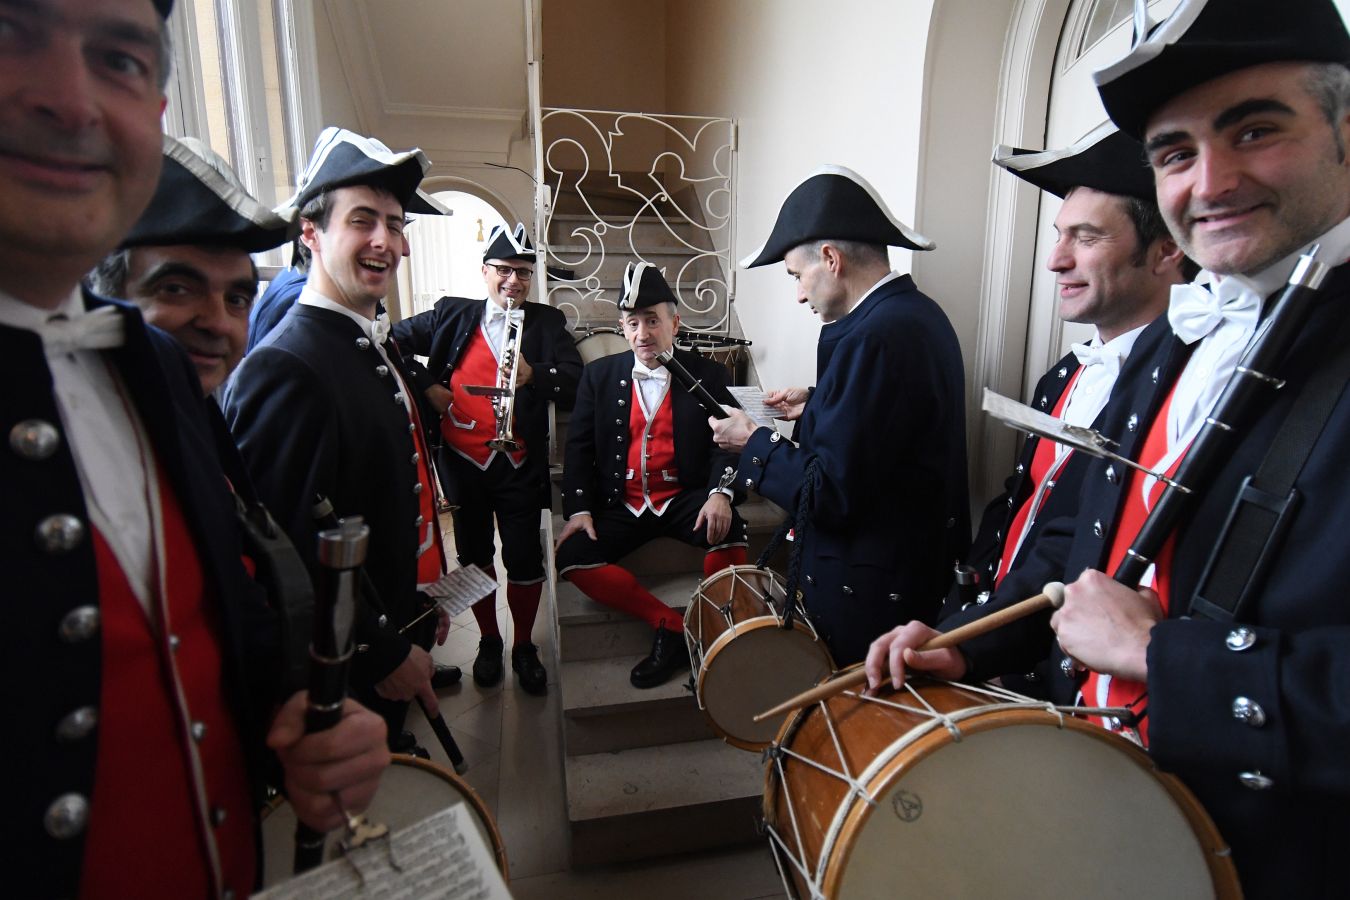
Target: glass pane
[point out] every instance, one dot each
(213, 81)
(1105, 15)
(273, 97)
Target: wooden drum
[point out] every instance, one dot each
(944, 790)
(744, 661)
(411, 789)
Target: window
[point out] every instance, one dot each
(446, 252)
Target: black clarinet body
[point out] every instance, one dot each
(691, 384)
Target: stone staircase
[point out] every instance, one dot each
(645, 774)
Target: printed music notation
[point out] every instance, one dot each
(444, 856)
(459, 589)
(751, 402)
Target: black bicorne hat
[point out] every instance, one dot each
(343, 158)
(1204, 39)
(200, 200)
(834, 202)
(1106, 160)
(513, 244)
(165, 7)
(643, 286)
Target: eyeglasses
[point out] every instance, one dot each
(507, 271)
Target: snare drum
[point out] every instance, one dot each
(411, 789)
(945, 790)
(744, 661)
(601, 342)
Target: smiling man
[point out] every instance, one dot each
(323, 408)
(186, 262)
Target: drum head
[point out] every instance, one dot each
(600, 342)
(753, 669)
(411, 790)
(1020, 809)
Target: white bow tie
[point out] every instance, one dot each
(515, 315)
(379, 329)
(99, 329)
(1089, 355)
(1194, 311)
(642, 373)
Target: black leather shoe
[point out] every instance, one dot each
(487, 668)
(407, 744)
(529, 671)
(444, 676)
(669, 655)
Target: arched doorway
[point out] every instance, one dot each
(446, 252)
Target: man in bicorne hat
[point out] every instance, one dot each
(186, 262)
(1234, 659)
(322, 409)
(464, 341)
(640, 463)
(1115, 264)
(140, 681)
(889, 397)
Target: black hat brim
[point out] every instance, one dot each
(1106, 160)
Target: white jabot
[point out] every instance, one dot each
(379, 329)
(97, 330)
(652, 385)
(494, 324)
(1196, 310)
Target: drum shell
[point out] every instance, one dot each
(598, 343)
(884, 748)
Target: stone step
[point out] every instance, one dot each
(603, 712)
(654, 801)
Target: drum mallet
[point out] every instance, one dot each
(1051, 597)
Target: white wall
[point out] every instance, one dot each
(809, 83)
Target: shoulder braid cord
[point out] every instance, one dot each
(801, 520)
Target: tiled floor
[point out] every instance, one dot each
(512, 744)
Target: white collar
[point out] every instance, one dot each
(310, 297)
(885, 279)
(1335, 250)
(17, 314)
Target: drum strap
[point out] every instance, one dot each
(800, 520)
(1265, 506)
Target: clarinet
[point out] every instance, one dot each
(341, 552)
(1242, 397)
(691, 384)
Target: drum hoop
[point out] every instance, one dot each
(723, 640)
(694, 642)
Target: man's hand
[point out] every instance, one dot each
(579, 522)
(717, 513)
(524, 371)
(895, 651)
(442, 625)
(411, 679)
(347, 759)
(788, 403)
(733, 432)
(1105, 625)
(439, 396)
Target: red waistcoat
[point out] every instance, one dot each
(171, 806)
(653, 479)
(469, 422)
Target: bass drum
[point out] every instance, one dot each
(601, 342)
(744, 661)
(945, 790)
(411, 789)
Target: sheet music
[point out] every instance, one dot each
(443, 856)
(459, 589)
(1023, 417)
(751, 401)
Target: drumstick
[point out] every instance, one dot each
(1051, 597)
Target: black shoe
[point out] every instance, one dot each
(444, 676)
(669, 655)
(530, 674)
(487, 668)
(404, 742)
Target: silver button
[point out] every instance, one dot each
(77, 724)
(34, 439)
(848, 591)
(1032, 676)
(1097, 528)
(198, 730)
(1021, 469)
(60, 533)
(1063, 372)
(416, 458)
(363, 343)
(418, 522)
(775, 438)
(382, 621)
(1132, 423)
(417, 488)
(1155, 376)
(66, 816)
(579, 492)
(810, 579)
(552, 371)
(894, 598)
(398, 398)
(1010, 502)
(750, 483)
(982, 598)
(754, 461)
(618, 421)
(174, 642)
(80, 624)
(218, 816)
(382, 371)
(623, 382)
(619, 439)
(1240, 639)
(1044, 401)
(411, 427)
(557, 390)
(1255, 781)
(951, 523)
(618, 457)
(1248, 712)
(1111, 476)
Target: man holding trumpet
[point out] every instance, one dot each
(493, 456)
(1233, 666)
